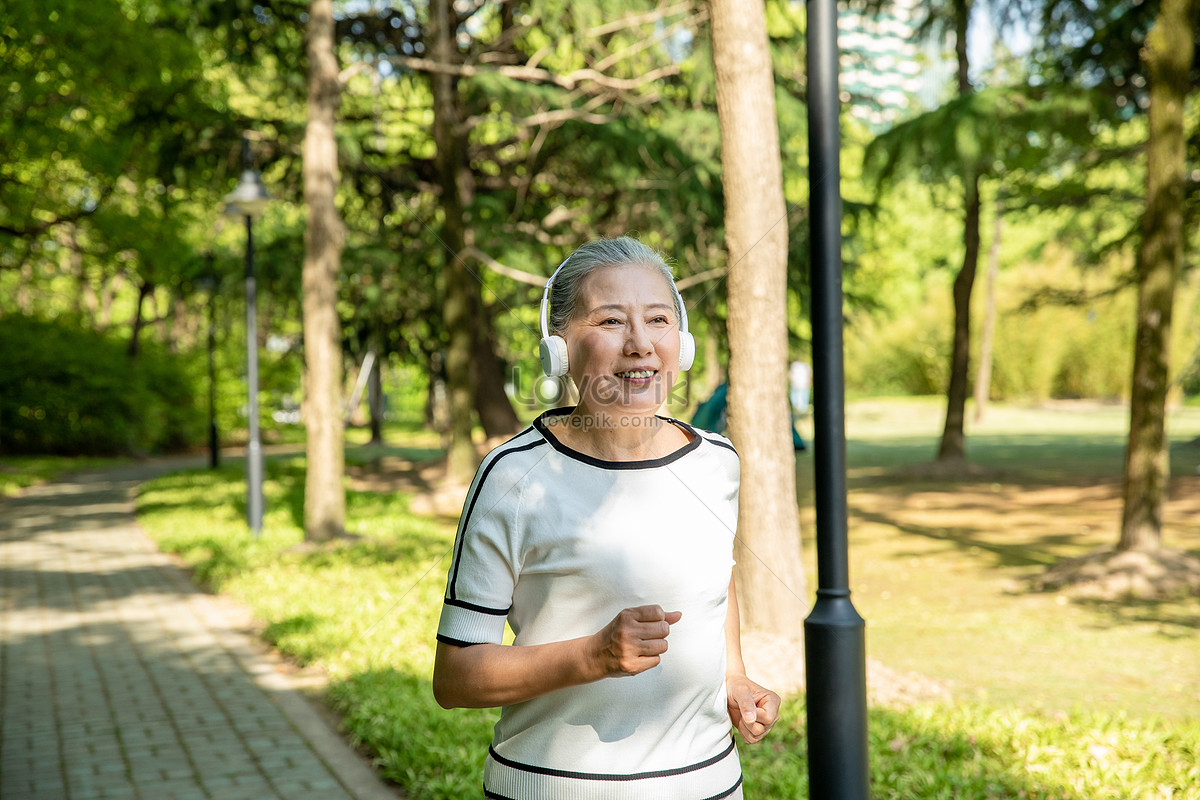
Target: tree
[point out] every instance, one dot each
(953, 445)
(770, 575)
(983, 375)
(969, 161)
(508, 100)
(974, 137)
(458, 286)
(1140, 56)
(324, 494)
(1168, 55)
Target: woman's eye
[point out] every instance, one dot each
(660, 321)
(611, 321)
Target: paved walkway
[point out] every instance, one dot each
(119, 680)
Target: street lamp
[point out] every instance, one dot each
(209, 284)
(834, 633)
(249, 199)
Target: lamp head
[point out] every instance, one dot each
(249, 198)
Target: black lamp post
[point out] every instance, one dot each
(249, 199)
(209, 284)
(834, 633)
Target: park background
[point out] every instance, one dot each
(124, 125)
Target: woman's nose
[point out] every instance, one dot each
(639, 341)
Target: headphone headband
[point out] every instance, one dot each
(546, 296)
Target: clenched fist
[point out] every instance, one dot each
(634, 641)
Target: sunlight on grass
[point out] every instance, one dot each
(21, 472)
(1049, 702)
(940, 571)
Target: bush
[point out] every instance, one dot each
(70, 391)
(905, 355)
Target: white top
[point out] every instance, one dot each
(558, 543)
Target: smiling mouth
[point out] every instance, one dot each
(637, 373)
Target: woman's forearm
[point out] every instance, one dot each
(733, 635)
(489, 675)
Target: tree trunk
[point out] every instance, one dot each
(953, 446)
(983, 376)
(495, 410)
(1168, 56)
(324, 493)
(375, 401)
(107, 296)
(713, 375)
(770, 576)
(457, 305)
(145, 289)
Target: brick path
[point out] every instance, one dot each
(119, 680)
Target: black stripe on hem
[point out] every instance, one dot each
(495, 612)
(728, 791)
(600, 776)
(488, 793)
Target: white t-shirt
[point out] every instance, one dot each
(558, 543)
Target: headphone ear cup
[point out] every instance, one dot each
(687, 351)
(553, 352)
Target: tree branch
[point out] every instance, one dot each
(640, 19)
(537, 75)
(554, 118)
(502, 269)
(650, 41)
(700, 277)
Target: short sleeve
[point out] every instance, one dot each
(483, 573)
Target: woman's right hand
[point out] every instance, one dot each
(634, 641)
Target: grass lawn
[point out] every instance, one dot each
(1052, 699)
(940, 571)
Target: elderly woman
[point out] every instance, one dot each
(603, 534)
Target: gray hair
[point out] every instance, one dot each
(564, 294)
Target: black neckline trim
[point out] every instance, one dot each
(670, 458)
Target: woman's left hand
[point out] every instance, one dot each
(753, 710)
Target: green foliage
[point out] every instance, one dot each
(973, 752)
(69, 391)
(984, 133)
(907, 355)
(111, 188)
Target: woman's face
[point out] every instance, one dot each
(623, 341)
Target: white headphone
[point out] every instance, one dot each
(553, 349)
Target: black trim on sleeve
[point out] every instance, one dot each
(495, 612)
(456, 642)
(708, 436)
(451, 592)
(719, 443)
